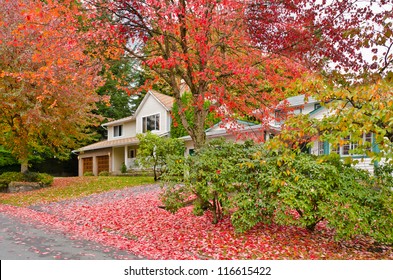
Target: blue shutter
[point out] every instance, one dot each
(326, 147)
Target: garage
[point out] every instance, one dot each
(87, 165)
(102, 163)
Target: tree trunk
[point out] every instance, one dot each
(24, 166)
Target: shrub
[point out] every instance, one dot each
(45, 179)
(123, 168)
(153, 152)
(9, 177)
(104, 173)
(12, 177)
(88, 173)
(253, 185)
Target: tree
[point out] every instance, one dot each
(47, 78)
(207, 45)
(350, 44)
(117, 103)
(153, 152)
(325, 35)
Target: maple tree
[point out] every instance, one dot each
(206, 44)
(327, 35)
(47, 78)
(349, 43)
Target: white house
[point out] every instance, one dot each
(302, 105)
(153, 114)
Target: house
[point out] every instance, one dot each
(153, 114)
(237, 130)
(302, 105)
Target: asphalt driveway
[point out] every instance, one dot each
(27, 241)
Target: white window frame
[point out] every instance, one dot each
(118, 130)
(157, 123)
(321, 148)
(345, 150)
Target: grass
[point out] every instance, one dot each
(72, 187)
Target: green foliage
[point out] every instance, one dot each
(177, 129)
(45, 179)
(154, 151)
(6, 158)
(12, 177)
(123, 168)
(253, 185)
(104, 173)
(120, 104)
(8, 177)
(88, 174)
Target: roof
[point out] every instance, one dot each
(300, 100)
(109, 143)
(126, 119)
(165, 100)
(210, 133)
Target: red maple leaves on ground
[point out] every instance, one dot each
(131, 219)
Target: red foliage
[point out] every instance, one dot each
(136, 223)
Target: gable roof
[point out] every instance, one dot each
(126, 119)
(164, 99)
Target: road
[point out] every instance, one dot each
(27, 241)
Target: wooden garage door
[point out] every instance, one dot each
(87, 165)
(102, 163)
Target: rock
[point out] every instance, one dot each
(15, 187)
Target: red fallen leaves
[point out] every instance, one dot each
(135, 223)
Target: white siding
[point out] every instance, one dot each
(128, 130)
(308, 108)
(151, 107)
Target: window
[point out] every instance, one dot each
(368, 138)
(345, 150)
(321, 149)
(317, 106)
(117, 130)
(131, 153)
(150, 123)
(279, 117)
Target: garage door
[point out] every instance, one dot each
(102, 163)
(87, 165)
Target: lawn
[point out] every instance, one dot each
(130, 219)
(73, 187)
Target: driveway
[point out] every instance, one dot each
(27, 241)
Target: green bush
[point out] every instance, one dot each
(45, 179)
(104, 173)
(8, 177)
(123, 168)
(253, 185)
(88, 173)
(153, 152)
(12, 177)
(3, 185)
